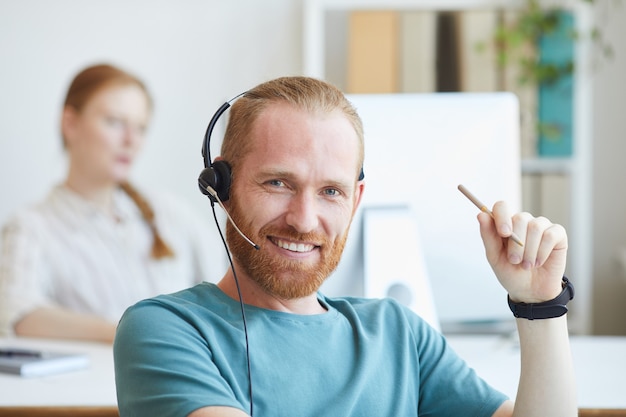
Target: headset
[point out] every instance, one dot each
(214, 180)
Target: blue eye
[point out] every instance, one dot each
(276, 183)
(331, 192)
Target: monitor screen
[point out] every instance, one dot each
(418, 149)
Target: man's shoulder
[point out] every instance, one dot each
(364, 302)
(180, 300)
(387, 307)
(194, 295)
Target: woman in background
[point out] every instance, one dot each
(72, 264)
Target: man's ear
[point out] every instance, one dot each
(358, 195)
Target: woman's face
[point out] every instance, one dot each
(105, 136)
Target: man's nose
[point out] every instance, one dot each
(303, 213)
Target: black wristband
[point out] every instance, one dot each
(546, 310)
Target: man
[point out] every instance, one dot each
(295, 150)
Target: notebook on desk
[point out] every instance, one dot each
(33, 363)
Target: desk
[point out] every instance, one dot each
(91, 387)
(599, 362)
(599, 365)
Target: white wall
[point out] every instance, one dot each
(193, 55)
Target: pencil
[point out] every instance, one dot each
(484, 208)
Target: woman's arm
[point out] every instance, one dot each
(56, 322)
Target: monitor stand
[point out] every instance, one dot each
(393, 261)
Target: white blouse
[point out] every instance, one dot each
(66, 252)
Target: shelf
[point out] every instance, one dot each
(540, 165)
(577, 167)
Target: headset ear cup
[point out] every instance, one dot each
(218, 177)
(207, 178)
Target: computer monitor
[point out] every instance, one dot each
(418, 149)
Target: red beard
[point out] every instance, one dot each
(285, 278)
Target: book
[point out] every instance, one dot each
(479, 72)
(33, 363)
(373, 52)
(418, 32)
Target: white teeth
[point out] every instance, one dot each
(295, 247)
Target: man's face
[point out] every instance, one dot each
(294, 194)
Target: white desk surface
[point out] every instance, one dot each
(600, 366)
(94, 386)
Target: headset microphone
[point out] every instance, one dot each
(213, 193)
(214, 180)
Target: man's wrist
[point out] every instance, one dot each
(545, 310)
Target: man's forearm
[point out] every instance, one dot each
(547, 382)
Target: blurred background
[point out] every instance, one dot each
(195, 54)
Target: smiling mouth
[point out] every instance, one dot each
(293, 246)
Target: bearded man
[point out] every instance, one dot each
(265, 341)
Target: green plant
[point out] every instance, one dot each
(516, 41)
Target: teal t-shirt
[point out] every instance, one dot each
(364, 357)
